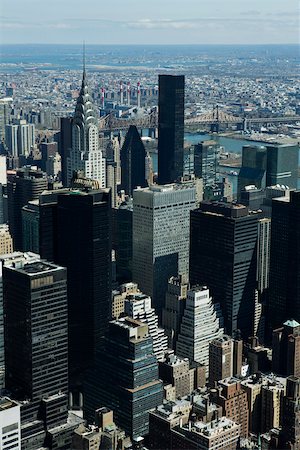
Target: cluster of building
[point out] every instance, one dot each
(133, 313)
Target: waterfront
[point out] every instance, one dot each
(231, 145)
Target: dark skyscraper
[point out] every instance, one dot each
(133, 156)
(254, 166)
(223, 257)
(75, 231)
(65, 143)
(36, 344)
(268, 166)
(170, 128)
(126, 377)
(282, 165)
(26, 185)
(284, 298)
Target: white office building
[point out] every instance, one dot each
(202, 322)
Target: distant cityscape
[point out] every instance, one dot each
(149, 247)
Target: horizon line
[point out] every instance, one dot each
(141, 45)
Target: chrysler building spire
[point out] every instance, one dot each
(85, 154)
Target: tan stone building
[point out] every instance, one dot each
(6, 243)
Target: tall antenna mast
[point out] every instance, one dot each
(83, 58)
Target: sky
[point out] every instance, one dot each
(149, 21)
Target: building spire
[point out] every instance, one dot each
(83, 62)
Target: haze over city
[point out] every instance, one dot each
(155, 22)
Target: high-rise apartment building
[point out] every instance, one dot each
(133, 156)
(290, 436)
(5, 109)
(11, 139)
(272, 393)
(36, 343)
(85, 154)
(26, 185)
(126, 377)
(75, 231)
(174, 307)
(233, 400)
(201, 323)
(223, 257)
(161, 227)
(220, 359)
(20, 138)
(170, 128)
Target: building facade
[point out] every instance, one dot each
(126, 377)
(170, 128)
(133, 156)
(201, 323)
(161, 227)
(85, 154)
(75, 231)
(223, 256)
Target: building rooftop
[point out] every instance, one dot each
(213, 428)
(292, 323)
(34, 267)
(7, 403)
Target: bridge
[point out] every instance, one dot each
(214, 119)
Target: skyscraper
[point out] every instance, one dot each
(284, 296)
(254, 167)
(268, 166)
(223, 256)
(75, 231)
(206, 162)
(133, 156)
(161, 218)
(27, 184)
(126, 377)
(9, 259)
(170, 128)
(85, 154)
(36, 343)
(282, 164)
(201, 323)
(65, 144)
